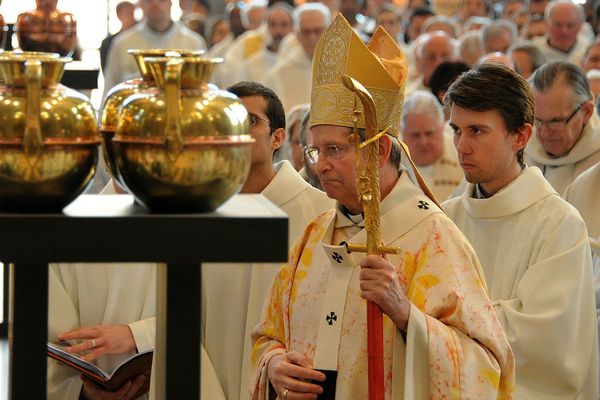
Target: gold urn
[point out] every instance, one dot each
(47, 29)
(48, 135)
(183, 146)
(109, 115)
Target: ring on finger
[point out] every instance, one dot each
(93, 343)
(284, 394)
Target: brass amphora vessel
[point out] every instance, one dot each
(47, 29)
(48, 135)
(109, 115)
(185, 145)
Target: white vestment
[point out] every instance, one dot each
(414, 84)
(288, 43)
(536, 258)
(121, 66)
(98, 294)
(575, 55)
(219, 49)
(243, 47)
(561, 171)
(584, 194)
(254, 69)
(291, 79)
(233, 294)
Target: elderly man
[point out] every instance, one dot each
(499, 36)
(156, 31)
(233, 294)
(432, 49)
(290, 76)
(567, 129)
(591, 57)
(279, 24)
(564, 19)
(532, 245)
(432, 150)
(438, 324)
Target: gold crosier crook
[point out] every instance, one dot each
(369, 195)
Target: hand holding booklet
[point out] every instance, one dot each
(140, 363)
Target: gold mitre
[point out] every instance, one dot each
(380, 67)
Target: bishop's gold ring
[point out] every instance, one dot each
(93, 343)
(284, 394)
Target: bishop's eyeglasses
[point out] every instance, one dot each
(556, 123)
(255, 118)
(331, 152)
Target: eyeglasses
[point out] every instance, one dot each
(255, 118)
(332, 152)
(557, 123)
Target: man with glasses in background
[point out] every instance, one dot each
(567, 129)
(233, 294)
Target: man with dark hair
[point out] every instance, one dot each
(443, 76)
(415, 22)
(233, 295)
(125, 14)
(532, 245)
(567, 130)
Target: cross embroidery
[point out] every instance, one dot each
(423, 205)
(331, 318)
(337, 257)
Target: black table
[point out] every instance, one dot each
(80, 76)
(112, 228)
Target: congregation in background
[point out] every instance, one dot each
(498, 108)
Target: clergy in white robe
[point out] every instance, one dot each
(565, 40)
(290, 77)
(575, 55)
(441, 338)
(98, 294)
(532, 245)
(535, 255)
(121, 66)
(584, 195)
(88, 295)
(233, 294)
(431, 147)
(567, 128)
(255, 67)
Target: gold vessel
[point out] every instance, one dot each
(47, 29)
(185, 145)
(109, 115)
(48, 135)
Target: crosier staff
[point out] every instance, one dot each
(367, 164)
